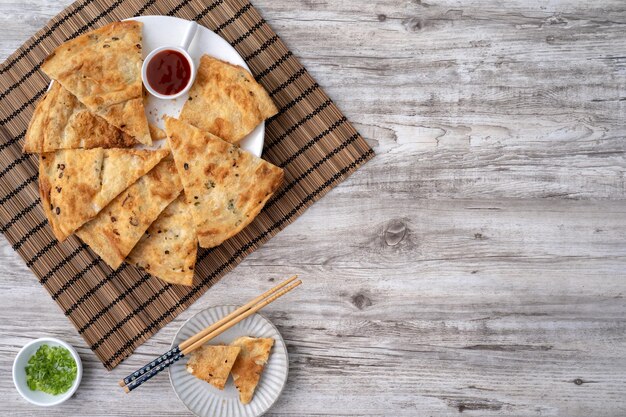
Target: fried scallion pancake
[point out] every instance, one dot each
(156, 132)
(169, 247)
(213, 363)
(114, 232)
(226, 100)
(249, 364)
(75, 184)
(102, 68)
(60, 121)
(225, 186)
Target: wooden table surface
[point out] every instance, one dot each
(477, 265)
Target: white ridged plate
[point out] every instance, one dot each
(203, 399)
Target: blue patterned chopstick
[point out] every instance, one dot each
(153, 371)
(152, 365)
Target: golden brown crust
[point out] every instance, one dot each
(45, 191)
(226, 100)
(249, 364)
(225, 186)
(102, 69)
(169, 247)
(60, 121)
(156, 132)
(114, 232)
(213, 364)
(75, 184)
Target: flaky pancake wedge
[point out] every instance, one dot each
(226, 100)
(61, 121)
(156, 132)
(114, 231)
(102, 68)
(75, 184)
(169, 247)
(249, 364)
(213, 363)
(225, 186)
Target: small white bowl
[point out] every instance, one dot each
(19, 373)
(144, 69)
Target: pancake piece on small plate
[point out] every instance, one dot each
(249, 364)
(75, 184)
(225, 186)
(226, 100)
(213, 363)
(114, 232)
(60, 121)
(169, 247)
(102, 68)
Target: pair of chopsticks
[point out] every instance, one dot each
(149, 370)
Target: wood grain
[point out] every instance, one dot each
(475, 266)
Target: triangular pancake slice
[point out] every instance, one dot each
(75, 184)
(213, 364)
(225, 186)
(169, 247)
(226, 100)
(249, 364)
(114, 232)
(102, 69)
(60, 121)
(156, 132)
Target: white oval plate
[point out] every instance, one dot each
(161, 31)
(203, 399)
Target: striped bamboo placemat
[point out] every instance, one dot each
(115, 311)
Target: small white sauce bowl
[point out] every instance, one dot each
(144, 70)
(19, 373)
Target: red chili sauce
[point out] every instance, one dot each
(168, 72)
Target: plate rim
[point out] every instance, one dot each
(262, 316)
